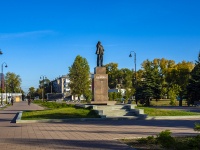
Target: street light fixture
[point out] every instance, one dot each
(135, 70)
(42, 77)
(2, 77)
(1, 52)
(134, 63)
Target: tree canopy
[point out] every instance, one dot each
(31, 92)
(150, 86)
(193, 88)
(13, 82)
(79, 76)
(161, 77)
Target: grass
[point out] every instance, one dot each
(163, 102)
(58, 111)
(52, 105)
(61, 113)
(64, 111)
(2, 108)
(164, 141)
(160, 112)
(181, 143)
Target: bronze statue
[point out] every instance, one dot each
(99, 52)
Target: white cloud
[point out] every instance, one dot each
(25, 34)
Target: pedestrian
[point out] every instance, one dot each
(12, 100)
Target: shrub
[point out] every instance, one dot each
(142, 140)
(194, 143)
(165, 139)
(148, 140)
(151, 139)
(181, 145)
(197, 127)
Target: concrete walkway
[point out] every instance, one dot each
(86, 135)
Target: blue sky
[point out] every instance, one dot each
(43, 37)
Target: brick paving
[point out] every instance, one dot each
(94, 135)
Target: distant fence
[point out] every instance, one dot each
(53, 96)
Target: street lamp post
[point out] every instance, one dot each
(6, 94)
(2, 77)
(135, 70)
(42, 77)
(134, 63)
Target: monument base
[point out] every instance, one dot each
(103, 102)
(100, 86)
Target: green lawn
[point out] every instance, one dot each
(164, 141)
(160, 112)
(163, 102)
(166, 102)
(58, 111)
(64, 111)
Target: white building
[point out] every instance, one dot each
(7, 97)
(61, 85)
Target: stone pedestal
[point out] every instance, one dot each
(100, 86)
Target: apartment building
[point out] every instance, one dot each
(61, 85)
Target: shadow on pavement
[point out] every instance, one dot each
(14, 119)
(147, 123)
(71, 144)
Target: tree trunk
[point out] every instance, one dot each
(180, 101)
(148, 102)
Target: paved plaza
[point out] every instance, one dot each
(102, 134)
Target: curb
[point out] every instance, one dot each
(171, 117)
(18, 120)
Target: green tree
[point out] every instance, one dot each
(193, 87)
(181, 77)
(173, 93)
(13, 82)
(79, 74)
(114, 96)
(126, 78)
(88, 95)
(113, 74)
(110, 96)
(164, 66)
(38, 92)
(31, 92)
(150, 86)
(129, 93)
(45, 85)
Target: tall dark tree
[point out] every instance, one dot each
(193, 88)
(150, 86)
(38, 92)
(79, 76)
